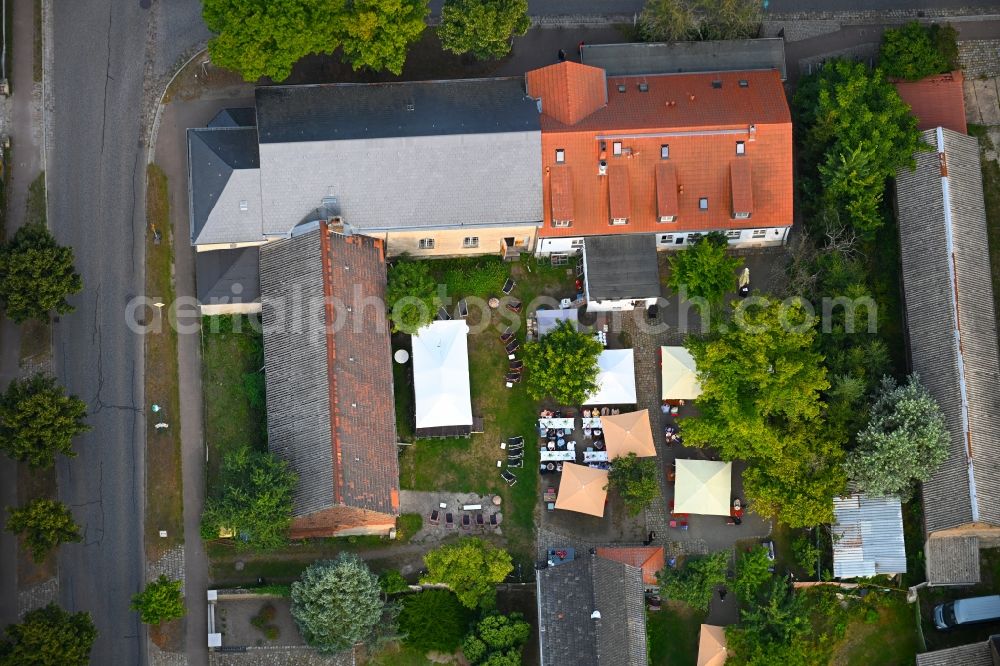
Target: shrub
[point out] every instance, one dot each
(695, 581)
(392, 582)
(471, 568)
(806, 553)
(161, 601)
(433, 620)
(497, 640)
(914, 51)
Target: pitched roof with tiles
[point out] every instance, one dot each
(936, 101)
(568, 90)
(952, 328)
(727, 137)
(973, 654)
(570, 593)
(224, 185)
(327, 358)
(648, 558)
(952, 560)
(429, 154)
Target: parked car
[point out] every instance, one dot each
(961, 612)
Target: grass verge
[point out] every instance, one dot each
(164, 491)
(35, 204)
(37, 56)
(672, 633)
(891, 640)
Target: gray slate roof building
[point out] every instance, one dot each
(687, 57)
(621, 267)
(974, 654)
(461, 153)
(591, 612)
(952, 324)
(867, 536)
(228, 276)
(952, 560)
(224, 185)
(327, 388)
(235, 117)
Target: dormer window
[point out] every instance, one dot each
(741, 148)
(616, 148)
(741, 216)
(703, 203)
(664, 151)
(560, 156)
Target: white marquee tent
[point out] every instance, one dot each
(678, 374)
(615, 379)
(441, 375)
(703, 487)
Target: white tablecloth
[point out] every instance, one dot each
(592, 422)
(552, 456)
(595, 456)
(563, 424)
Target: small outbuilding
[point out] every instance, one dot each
(867, 536)
(620, 272)
(441, 379)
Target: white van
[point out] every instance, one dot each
(967, 611)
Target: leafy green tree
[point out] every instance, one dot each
(705, 270)
(563, 365)
(392, 582)
(411, 295)
(471, 568)
(695, 582)
(483, 28)
(667, 20)
(906, 439)
(775, 631)
(855, 124)
(260, 38)
(36, 275)
(38, 420)
(255, 501)
(161, 601)
(945, 38)
(636, 481)
(337, 603)
(728, 19)
(49, 636)
(806, 553)
(377, 33)
(910, 53)
(45, 524)
(434, 620)
(753, 572)
(497, 640)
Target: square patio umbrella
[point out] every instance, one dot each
(582, 489)
(703, 487)
(628, 433)
(678, 374)
(712, 646)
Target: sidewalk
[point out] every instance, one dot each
(25, 168)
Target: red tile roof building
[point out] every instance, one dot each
(648, 558)
(664, 153)
(936, 101)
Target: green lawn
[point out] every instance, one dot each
(231, 350)
(991, 193)
(892, 641)
(673, 633)
(469, 465)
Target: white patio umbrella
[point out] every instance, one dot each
(703, 487)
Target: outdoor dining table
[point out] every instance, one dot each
(595, 456)
(592, 422)
(561, 424)
(549, 456)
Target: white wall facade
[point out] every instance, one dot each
(612, 306)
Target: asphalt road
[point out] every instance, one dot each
(626, 7)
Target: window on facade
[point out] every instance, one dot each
(664, 151)
(616, 148)
(560, 223)
(576, 242)
(741, 148)
(667, 238)
(703, 203)
(741, 216)
(426, 244)
(759, 233)
(560, 155)
(679, 240)
(471, 241)
(667, 218)
(619, 220)
(694, 237)
(733, 233)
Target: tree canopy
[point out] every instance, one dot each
(483, 28)
(254, 500)
(377, 33)
(914, 51)
(563, 365)
(337, 603)
(636, 481)
(704, 269)
(266, 37)
(36, 275)
(471, 568)
(695, 582)
(433, 620)
(49, 636)
(753, 572)
(161, 601)
(411, 295)
(905, 440)
(497, 640)
(44, 524)
(678, 20)
(38, 420)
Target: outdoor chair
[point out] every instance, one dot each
(443, 314)
(515, 465)
(515, 448)
(435, 518)
(515, 306)
(517, 366)
(480, 522)
(449, 520)
(509, 478)
(466, 521)
(512, 347)
(514, 377)
(507, 335)
(508, 286)
(516, 441)
(463, 309)
(511, 457)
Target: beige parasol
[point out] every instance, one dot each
(703, 487)
(628, 433)
(712, 646)
(678, 374)
(582, 489)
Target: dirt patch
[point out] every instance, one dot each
(252, 620)
(168, 636)
(32, 485)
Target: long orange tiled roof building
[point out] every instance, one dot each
(663, 154)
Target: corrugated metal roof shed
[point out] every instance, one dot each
(867, 536)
